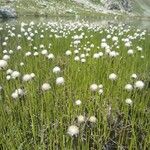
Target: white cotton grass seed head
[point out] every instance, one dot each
(46, 87)
(78, 102)
(21, 64)
(35, 53)
(81, 119)
(112, 76)
(14, 95)
(60, 81)
(6, 57)
(94, 87)
(73, 130)
(130, 52)
(83, 60)
(134, 76)
(9, 71)
(128, 101)
(27, 77)
(139, 85)
(20, 92)
(50, 56)
(11, 51)
(15, 74)
(68, 52)
(128, 87)
(100, 91)
(8, 77)
(77, 58)
(93, 119)
(100, 86)
(28, 54)
(3, 64)
(56, 70)
(18, 47)
(44, 52)
(32, 75)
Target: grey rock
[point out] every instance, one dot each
(7, 12)
(114, 6)
(120, 5)
(126, 4)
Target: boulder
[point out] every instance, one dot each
(7, 12)
(126, 4)
(114, 6)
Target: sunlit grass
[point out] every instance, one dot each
(40, 118)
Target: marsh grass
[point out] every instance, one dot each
(39, 120)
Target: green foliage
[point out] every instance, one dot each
(40, 120)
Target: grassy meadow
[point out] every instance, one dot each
(74, 86)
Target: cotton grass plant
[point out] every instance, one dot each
(74, 85)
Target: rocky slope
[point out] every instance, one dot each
(76, 7)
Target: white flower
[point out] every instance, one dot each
(32, 75)
(5, 51)
(73, 130)
(83, 60)
(50, 56)
(96, 56)
(44, 52)
(10, 51)
(108, 36)
(56, 69)
(82, 56)
(60, 81)
(4, 43)
(93, 87)
(27, 77)
(17, 93)
(103, 45)
(128, 44)
(9, 71)
(14, 95)
(3, 64)
(81, 119)
(20, 92)
(92, 119)
(46, 87)
(41, 46)
(130, 52)
(128, 101)
(76, 51)
(139, 85)
(21, 64)
(139, 48)
(6, 57)
(142, 57)
(35, 53)
(8, 77)
(68, 53)
(115, 38)
(112, 54)
(76, 58)
(18, 47)
(100, 91)
(15, 74)
(100, 86)
(134, 76)
(28, 54)
(128, 87)
(78, 102)
(100, 54)
(112, 76)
